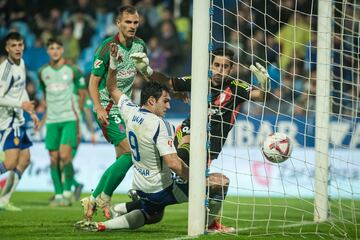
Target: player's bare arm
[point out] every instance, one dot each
(115, 93)
(94, 94)
(177, 165)
(27, 106)
(82, 96)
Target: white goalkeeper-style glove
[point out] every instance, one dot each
(262, 76)
(142, 64)
(115, 56)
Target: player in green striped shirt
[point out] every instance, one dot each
(106, 112)
(61, 82)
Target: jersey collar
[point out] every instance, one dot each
(117, 39)
(144, 110)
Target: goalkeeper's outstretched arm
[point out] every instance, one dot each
(142, 64)
(115, 93)
(262, 76)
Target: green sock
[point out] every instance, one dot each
(99, 188)
(117, 173)
(69, 175)
(73, 180)
(56, 178)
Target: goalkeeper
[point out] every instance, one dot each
(226, 96)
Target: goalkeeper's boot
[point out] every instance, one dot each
(217, 227)
(10, 207)
(89, 207)
(104, 203)
(133, 195)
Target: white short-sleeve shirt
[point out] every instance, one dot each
(150, 138)
(12, 87)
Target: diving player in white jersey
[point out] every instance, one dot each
(153, 153)
(13, 101)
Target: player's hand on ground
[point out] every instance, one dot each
(262, 76)
(102, 116)
(141, 62)
(28, 106)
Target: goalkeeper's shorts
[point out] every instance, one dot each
(217, 138)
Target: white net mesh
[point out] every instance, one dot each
(266, 198)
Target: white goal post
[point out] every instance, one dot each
(322, 110)
(311, 51)
(200, 66)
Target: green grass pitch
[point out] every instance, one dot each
(254, 218)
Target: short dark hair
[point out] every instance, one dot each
(152, 89)
(54, 40)
(125, 9)
(223, 52)
(13, 36)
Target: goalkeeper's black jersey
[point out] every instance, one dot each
(223, 109)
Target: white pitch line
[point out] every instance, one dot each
(252, 228)
(296, 224)
(183, 237)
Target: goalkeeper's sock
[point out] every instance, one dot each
(100, 186)
(214, 209)
(2, 168)
(131, 220)
(56, 178)
(11, 188)
(118, 171)
(69, 175)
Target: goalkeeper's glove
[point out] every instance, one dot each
(142, 64)
(262, 76)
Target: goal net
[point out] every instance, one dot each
(313, 64)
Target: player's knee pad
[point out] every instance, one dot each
(218, 186)
(183, 152)
(154, 218)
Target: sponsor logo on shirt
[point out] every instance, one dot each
(97, 63)
(56, 87)
(170, 143)
(126, 73)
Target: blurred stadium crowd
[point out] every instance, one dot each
(258, 31)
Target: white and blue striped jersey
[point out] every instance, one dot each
(12, 94)
(150, 138)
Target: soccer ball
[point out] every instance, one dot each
(277, 147)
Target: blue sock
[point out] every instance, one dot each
(2, 168)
